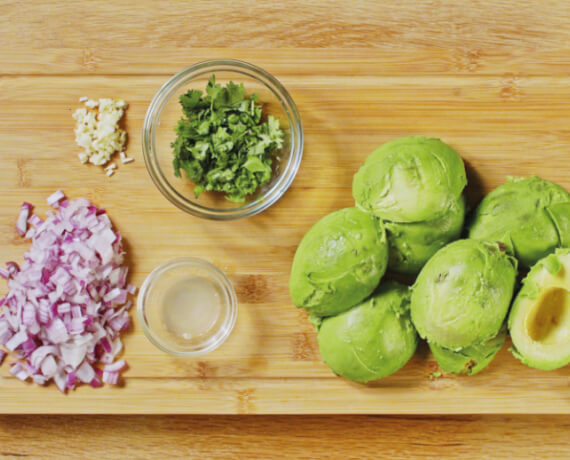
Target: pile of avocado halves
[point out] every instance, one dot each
(409, 215)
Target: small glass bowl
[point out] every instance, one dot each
(165, 111)
(157, 298)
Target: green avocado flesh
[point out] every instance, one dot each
(529, 216)
(371, 340)
(469, 360)
(411, 179)
(412, 244)
(539, 321)
(462, 295)
(339, 262)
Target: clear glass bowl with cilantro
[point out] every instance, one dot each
(222, 140)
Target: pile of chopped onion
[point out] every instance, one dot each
(67, 304)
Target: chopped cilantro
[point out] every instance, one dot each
(222, 143)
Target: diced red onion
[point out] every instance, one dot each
(54, 198)
(5, 332)
(71, 380)
(44, 312)
(16, 340)
(19, 371)
(22, 223)
(63, 315)
(112, 378)
(57, 332)
(12, 268)
(35, 220)
(28, 315)
(39, 379)
(120, 323)
(60, 379)
(112, 295)
(117, 366)
(49, 366)
(73, 355)
(39, 355)
(63, 308)
(29, 346)
(85, 372)
(76, 326)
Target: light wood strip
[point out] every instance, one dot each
(297, 23)
(350, 62)
(291, 395)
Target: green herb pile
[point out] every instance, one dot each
(222, 144)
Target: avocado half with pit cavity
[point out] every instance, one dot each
(539, 322)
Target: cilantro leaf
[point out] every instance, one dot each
(236, 93)
(222, 144)
(254, 164)
(190, 100)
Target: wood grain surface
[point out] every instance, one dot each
(289, 437)
(491, 78)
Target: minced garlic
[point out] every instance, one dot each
(97, 131)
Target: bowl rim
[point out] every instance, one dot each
(219, 276)
(166, 92)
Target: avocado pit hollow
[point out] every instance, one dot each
(547, 314)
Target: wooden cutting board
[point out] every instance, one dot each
(505, 112)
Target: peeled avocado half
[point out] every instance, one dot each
(411, 179)
(339, 262)
(529, 216)
(469, 360)
(371, 340)
(462, 295)
(539, 322)
(412, 244)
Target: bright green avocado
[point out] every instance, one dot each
(531, 217)
(339, 262)
(412, 244)
(462, 295)
(411, 179)
(469, 360)
(539, 321)
(373, 339)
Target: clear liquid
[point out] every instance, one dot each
(191, 308)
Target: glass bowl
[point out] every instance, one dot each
(187, 307)
(165, 111)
